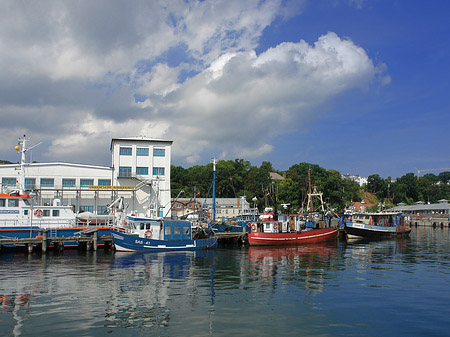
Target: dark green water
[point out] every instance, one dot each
(384, 288)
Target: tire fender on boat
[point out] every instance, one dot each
(148, 233)
(38, 212)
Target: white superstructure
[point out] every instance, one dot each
(140, 171)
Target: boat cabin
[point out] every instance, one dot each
(173, 230)
(18, 210)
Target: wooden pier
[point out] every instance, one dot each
(239, 238)
(88, 238)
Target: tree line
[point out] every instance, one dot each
(239, 178)
(409, 188)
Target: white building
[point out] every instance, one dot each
(140, 171)
(360, 180)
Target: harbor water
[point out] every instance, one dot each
(397, 287)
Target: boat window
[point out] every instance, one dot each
(2, 202)
(177, 230)
(147, 226)
(267, 226)
(26, 202)
(186, 230)
(25, 212)
(46, 212)
(168, 230)
(13, 202)
(55, 212)
(142, 226)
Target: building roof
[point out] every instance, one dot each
(220, 202)
(421, 206)
(275, 176)
(140, 139)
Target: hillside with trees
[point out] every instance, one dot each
(239, 178)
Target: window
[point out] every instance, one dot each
(124, 171)
(102, 210)
(55, 212)
(47, 182)
(142, 151)
(30, 183)
(13, 202)
(87, 209)
(186, 230)
(9, 181)
(147, 226)
(177, 230)
(159, 152)
(168, 230)
(2, 202)
(86, 182)
(158, 171)
(104, 182)
(143, 171)
(68, 182)
(125, 151)
(45, 212)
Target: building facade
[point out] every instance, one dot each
(226, 208)
(140, 173)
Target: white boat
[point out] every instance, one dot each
(22, 217)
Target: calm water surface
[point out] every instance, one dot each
(384, 288)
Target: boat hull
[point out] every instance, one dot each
(281, 239)
(129, 243)
(372, 231)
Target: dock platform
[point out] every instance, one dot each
(88, 239)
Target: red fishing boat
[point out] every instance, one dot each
(276, 233)
(314, 228)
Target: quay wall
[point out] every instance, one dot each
(428, 220)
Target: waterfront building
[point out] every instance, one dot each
(140, 172)
(225, 207)
(422, 209)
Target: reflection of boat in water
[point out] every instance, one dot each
(375, 225)
(317, 250)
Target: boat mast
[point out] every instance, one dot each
(23, 150)
(23, 142)
(310, 202)
(214, 191)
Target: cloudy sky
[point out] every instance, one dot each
(360, 86)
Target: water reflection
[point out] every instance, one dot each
(309, 264)
(143, 286)
(307, 289)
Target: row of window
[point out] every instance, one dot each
(30, 183)
(125, 171)
(102, 210)
(141, 151)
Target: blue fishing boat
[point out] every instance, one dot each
(375, 225)
(145, 234)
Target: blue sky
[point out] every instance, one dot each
(357, 86)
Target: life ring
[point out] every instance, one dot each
(38, 212)
(275, 226)
(253, 227)
(148, 233)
